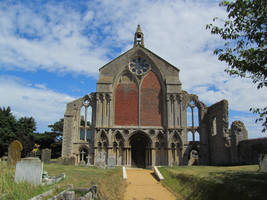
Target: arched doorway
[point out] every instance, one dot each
(140, 150)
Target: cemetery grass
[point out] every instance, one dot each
(109, 181)
(220, 183)
(110, 184)
(11, 191)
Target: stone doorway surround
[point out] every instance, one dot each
(140, 150)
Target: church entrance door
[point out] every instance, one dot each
(139, 150)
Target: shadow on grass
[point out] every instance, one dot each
(223, 185)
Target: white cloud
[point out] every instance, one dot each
(51, 39)
(44, 105)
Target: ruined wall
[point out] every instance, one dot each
(238, 133)
(249, 150)
(217, 123)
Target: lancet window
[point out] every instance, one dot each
(86, 119)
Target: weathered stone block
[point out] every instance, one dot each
(46, 155)
(30, 170)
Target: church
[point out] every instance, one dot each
(140, 116)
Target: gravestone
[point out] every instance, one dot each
(30, 170)
(263, 162)
(46, 155)
(193, 158)
(100, 160)
(14, 152)
(111, 161)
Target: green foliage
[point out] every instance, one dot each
(23, 130)
(11, 129)
(245, 47)
(220, 183)
(51, 140)
(7, 129)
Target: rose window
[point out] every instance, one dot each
(139, 66)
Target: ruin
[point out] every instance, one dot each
(141, 117)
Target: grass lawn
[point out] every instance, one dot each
(109, 181)
(216, 183)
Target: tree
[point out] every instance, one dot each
(245, 47)
(11, 129)
(25, 128)
(7, 129)
(51, 139)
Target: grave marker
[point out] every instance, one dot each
(46, 155)
(30, 170)
(14, 152)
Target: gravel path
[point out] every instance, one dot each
(141, 185)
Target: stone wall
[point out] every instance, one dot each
(249, 150)
(217, 120)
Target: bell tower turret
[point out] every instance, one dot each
(138, 37)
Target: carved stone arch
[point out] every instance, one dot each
(89, 98)
(124, 72)
(154, 67)
(83, 146)
(127, 141)
(176, 138)
(103, 138)
(118, 138)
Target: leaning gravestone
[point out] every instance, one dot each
(263, 162)
(30, 170)
(111, 161)
(14, 152)
(46, 155)
(100, 160)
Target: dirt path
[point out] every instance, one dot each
(141, 185)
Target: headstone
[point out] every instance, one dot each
(14, 152)
(30, 170)
(193, 158)
(46, 155)
(263, 162)
(100, 160)
(111, 161)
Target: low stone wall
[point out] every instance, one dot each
(250, 150)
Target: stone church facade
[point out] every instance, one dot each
(140, 117)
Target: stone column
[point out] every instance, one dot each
(168, 109)
(98, 110)
(169, 156)
(174, 111)
(153, 157)
(180, 103)
(108, 100)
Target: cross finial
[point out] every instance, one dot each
(138, 37)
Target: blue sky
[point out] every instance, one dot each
(50, 52)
